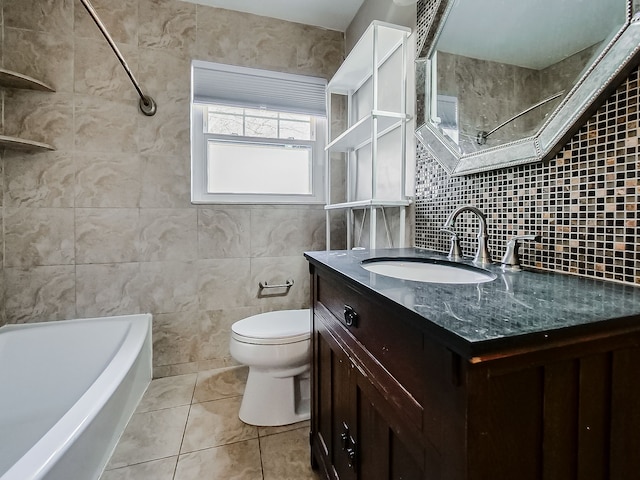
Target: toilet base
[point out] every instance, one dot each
(270, 401)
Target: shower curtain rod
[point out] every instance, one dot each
(481, 138)
(147, 104)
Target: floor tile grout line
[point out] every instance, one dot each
(261, 460)
(184, 433)
(217, 446)
(186, 422)
(140, 463)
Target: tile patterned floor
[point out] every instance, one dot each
(187, 428)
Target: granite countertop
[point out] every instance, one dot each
(514, 309)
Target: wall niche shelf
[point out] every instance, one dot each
(373, 72)
(10, 79)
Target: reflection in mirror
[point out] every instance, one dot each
(505, 82)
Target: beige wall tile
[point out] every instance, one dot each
(286, 231)
(166, 75)
(166, 181)
(167, 132)
(168, 234)
(40, 116)
(167, 25)
(41, 15)
(175, 338)
(39, 294)
(38, 236)
(108, 180)
(1, 242)
(224, 283)
(215, 330)
(275, 270)
(168, 287)
(120, 18)
(107, 235)
(39, 179)
(111, 289)
(103, 125)
(45, 56)
(223, 232)
(97, 71)
(319, 52)
(3, 317)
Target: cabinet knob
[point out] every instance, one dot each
(350, 316)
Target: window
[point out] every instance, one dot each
(255, 140)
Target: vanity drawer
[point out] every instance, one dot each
(390, 340)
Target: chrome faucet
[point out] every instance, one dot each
(483, 256)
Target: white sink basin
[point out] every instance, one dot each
(427, 270)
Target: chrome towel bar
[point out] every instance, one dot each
(147, 104)
(287, 284)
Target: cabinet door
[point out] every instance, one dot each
(354, 432)
(333, 396)
(382, 454)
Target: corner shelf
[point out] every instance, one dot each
(371, 62)
(16, 143)
(10, 79)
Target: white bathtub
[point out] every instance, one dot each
(67, 390)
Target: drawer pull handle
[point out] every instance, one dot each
(350, 316)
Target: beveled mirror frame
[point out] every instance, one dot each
(606, 72)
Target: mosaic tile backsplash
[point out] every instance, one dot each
(584, 202)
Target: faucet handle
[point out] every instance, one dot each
(511, 258)
(455, 252)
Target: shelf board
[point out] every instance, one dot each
(367, 203)
(358, 66)
(360, 133)
(15, 143)
(17, 80)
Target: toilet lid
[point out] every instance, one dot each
(278, 327)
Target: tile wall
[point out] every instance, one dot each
(104, 225)
(584, 202)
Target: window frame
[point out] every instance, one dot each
(199, 161)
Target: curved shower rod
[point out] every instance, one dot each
(481, 137)
(147, 104)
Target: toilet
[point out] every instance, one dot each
(277, 348)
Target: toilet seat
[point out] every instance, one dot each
(273, 328)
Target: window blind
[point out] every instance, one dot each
(255, 88)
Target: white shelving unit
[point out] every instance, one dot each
(359, 81)
(10, 79)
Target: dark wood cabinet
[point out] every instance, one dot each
(391, 401)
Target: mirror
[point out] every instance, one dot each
(507, 83)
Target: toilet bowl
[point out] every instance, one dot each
(276, 346)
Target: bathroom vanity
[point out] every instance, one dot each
(530, 376)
